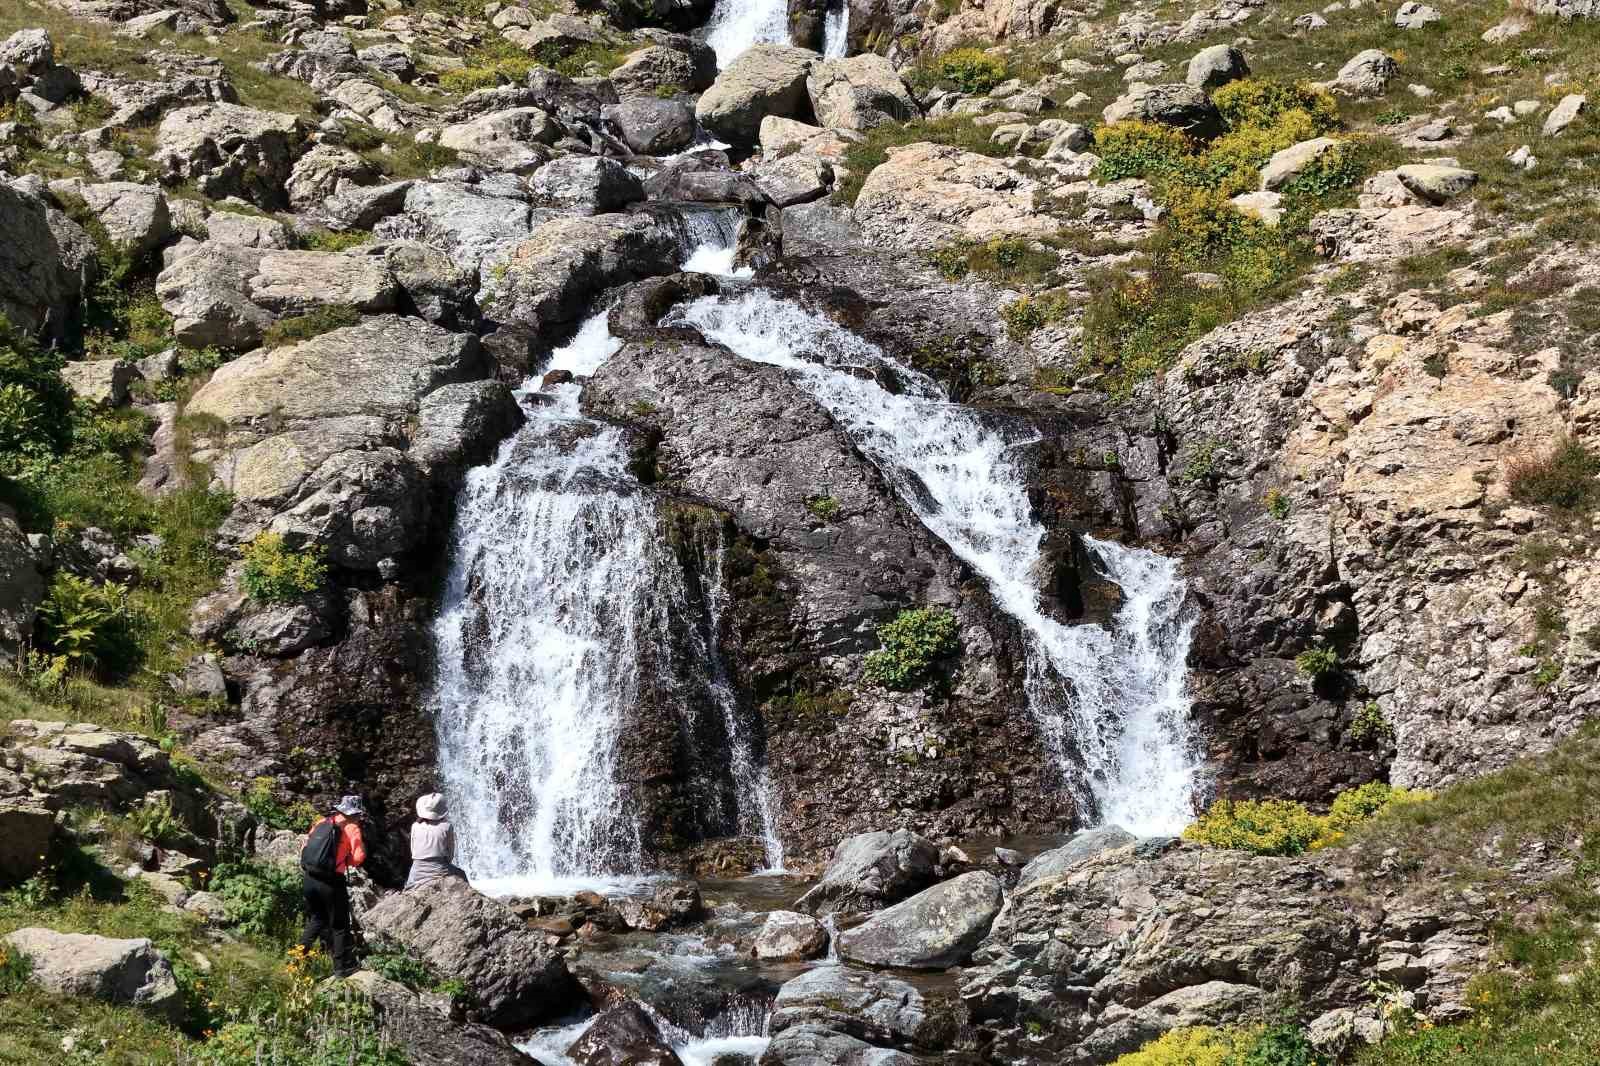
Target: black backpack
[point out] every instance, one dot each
(320, 856)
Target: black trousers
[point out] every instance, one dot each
(328, 920)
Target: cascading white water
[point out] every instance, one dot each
(1115, 697)
(836, 31)
(538, 644)
(711, 237)
(736, 25)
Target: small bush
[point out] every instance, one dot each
(971, 70)
(331, 241)
(1277, 504)
(298, 328)
(913, 645)
(261, 899)
(1262, 827)
(259, 801)
(1008, 259)
(85, 622)
(35, 406)
(1562, 477)
(15, 969)
(1370, 726)
(1278, 1045)
(273, 572)
(1353, 806)
(823, 507)
(1135, 149)
(1198, 1045)
(1318, 663)
(1027, 313)
(1262, 103)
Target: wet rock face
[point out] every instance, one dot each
(624, 1035)
(875, 1008)
(873, 870)
(933, 930)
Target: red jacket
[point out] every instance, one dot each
(352, 849)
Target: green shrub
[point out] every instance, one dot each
(1277, 504)
(259, 801)
(1198, 1045)
(159, 824)
(1353, 806)
(261, 899)
(35, 405)
(1262, 103)
(1027, 313)
(1318, 663)
(1369, 726)
(274, 572)
(331, 241)
(1137, 149)
(823, 507)
(298, 328)
(1278, 1045)
(85, 622)
(1262, 827)
(913, 645)
(15, 969)
(971, 70)
(1562, 477)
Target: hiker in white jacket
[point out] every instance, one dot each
(433, 843)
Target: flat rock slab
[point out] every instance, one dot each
(932, 930)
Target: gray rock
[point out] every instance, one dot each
(623, 1035)
(102, 382)
(1264, 207)
(1180, 106)
(247, 231)
(872, 870)
(1310, 21)
(515, 980)
(440, 290)
(812, 1045)
(768, 79)
(1216, 66)
(466, 222)
(652, 126)
(229, 150)
(362, 207)
(461, 424)
(1436, 184)
(789, 936)
(590, 184)
(1413, 15)
(130, 972)
(1069, 141)
(1084, 845)
(1564, 114)
(1366, 74)
(280, 629)
(692, 181)
(935, 929)
(134, 216)
(858, 93)
(514, 140)
(794, 179)
(202, 677)
(204, 292)
(426, 1032)
(657, 69)
(26, 828)
(390, 58)
(550, 277)
(38, 288)
(324, 172)
(874, 1007)
(1287, 164)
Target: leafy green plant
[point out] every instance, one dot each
(1318, 663)
(1277, 504)
(1137, 149)
(274, 572)
(260, 801)
(15, 969)
(85, 622)
(1370, 726)
(823, 507)
(1262, 827)
(158, 823)
(35, 406)
(971, 70)
(260, 899)
(1198, 1045)
(913, 645)
(1279, 1045)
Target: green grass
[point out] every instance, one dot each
(298, 328)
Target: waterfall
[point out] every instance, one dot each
(735, 25)
(710, 237)
(538, 643)
(836, 31)
(1113, 698)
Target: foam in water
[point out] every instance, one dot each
(1113, 698)
(735, 1031)
(711, 237)
(836, 31)
(736, 25)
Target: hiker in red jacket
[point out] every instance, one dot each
(333, 848)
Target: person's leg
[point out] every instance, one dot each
(316, 901)
(344, 946)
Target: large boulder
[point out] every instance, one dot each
(768, 79)
(129, 972)
(662, 69)
(788, 936)
(309, 450)
(25, 831)
(652, 126)
(515, 139)
(859, 93)
(100, 382)
(425, 1030)
(1213, 67)
(21, 583)
(468, 222)
(816, 1045)
(515, 980)
(229, 150)
(135, 217)
(874, 1007)
(1178, 105)
(933, 930)
(550, 278)
(79, 764)
(1367, 73)
(1289, 163)
(1436, 183)
(589, 184)
(624, 1035)
(872, 870)
(324, 172)
(1084, 845)
(38, 287)
(926, 195)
